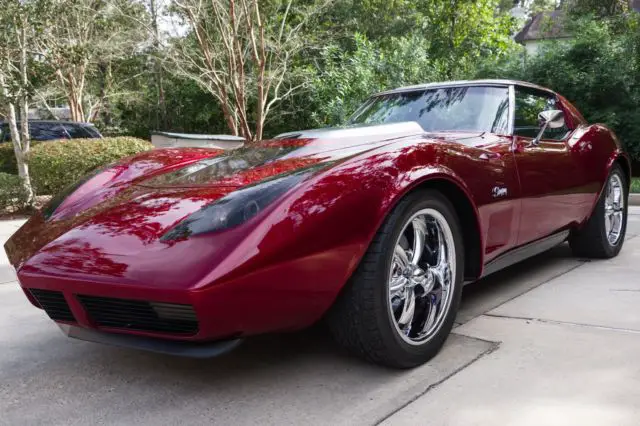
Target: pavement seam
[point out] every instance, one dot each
(558, 322)
(494, 346)
(581, 263)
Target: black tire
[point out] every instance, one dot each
(360, 318)
(591, 240)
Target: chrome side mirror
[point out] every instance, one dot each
(552, 119)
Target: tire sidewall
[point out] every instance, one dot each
(416, 202)
(613, 250)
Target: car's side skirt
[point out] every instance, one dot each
(524, 252)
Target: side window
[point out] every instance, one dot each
(76, 132)
(530, 103)
(92, 131)
(47, 131)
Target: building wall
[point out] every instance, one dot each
(63, 113)
(533, 46)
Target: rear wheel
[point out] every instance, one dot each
(400, 304)
(603, 234)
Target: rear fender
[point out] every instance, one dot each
(610, 147)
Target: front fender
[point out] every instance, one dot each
(319, 232)
(110, 181)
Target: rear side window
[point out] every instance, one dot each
(76, 131)
(530, 103)
(92, 131)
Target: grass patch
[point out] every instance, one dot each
(635, 185)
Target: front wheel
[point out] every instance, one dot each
(603, 234)
(400, 305)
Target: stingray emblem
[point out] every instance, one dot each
(499, 191)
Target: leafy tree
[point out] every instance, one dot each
(348, 78)
(376, 20)
(189, 108)
(597, 7)
(598, 70)
(20, 27)
(440, 39)
(396, 42)
(81, 42)
(241, 55)
(462, 32)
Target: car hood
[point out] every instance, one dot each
(123, 216)
(284, 154)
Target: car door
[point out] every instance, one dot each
(47, 131)
(551, 180)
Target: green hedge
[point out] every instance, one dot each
(54, 165)
(11, 193)
(7, 159)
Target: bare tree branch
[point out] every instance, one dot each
(240, 57)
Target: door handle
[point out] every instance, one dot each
(487, 156)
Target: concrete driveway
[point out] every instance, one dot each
(552, 341)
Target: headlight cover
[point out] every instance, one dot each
(235, 208)
(51, 207)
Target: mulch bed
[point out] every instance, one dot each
(10, 214)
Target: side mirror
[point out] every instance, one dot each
(552, 119)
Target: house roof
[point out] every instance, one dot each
(543, 26)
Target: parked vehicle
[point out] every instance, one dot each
(375, 226)
(46, 130)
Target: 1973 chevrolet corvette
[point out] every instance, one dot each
(374, 226)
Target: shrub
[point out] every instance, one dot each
(54, 165)
(7, 159)
(12, 196)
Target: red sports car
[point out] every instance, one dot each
(374, 226)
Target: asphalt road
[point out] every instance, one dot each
(303, 378)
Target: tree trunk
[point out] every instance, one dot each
(24, 140)
(452, 46)
(75, 107)
(21, 159)
(161, 112)
(101, 108)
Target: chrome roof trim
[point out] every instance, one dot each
(462, 83)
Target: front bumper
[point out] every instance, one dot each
(169, 347)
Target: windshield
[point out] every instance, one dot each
(478, 109)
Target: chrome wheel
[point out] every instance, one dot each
(614, 209)
(422, 276)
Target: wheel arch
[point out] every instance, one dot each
(625, 164)
(469, 220)
(617, 157)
